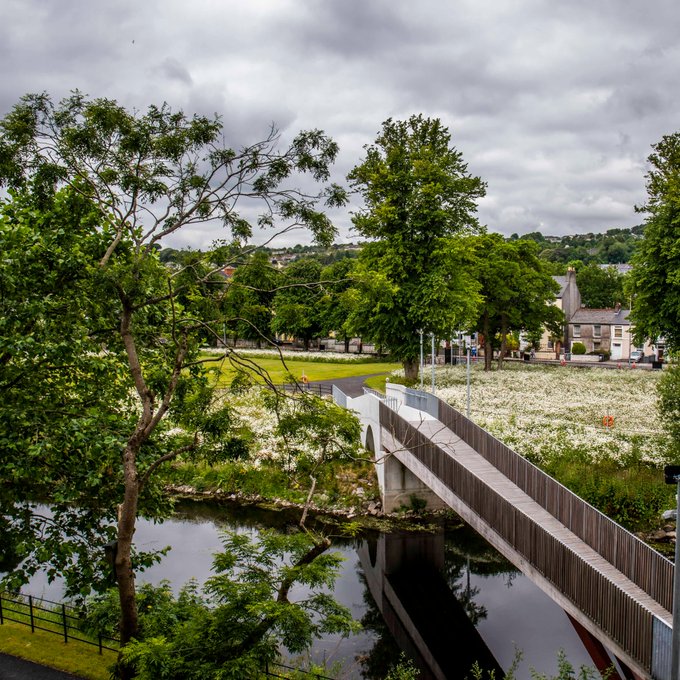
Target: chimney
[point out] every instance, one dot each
(617, 307)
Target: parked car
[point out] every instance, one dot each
(637, 356)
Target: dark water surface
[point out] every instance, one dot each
(447, 592)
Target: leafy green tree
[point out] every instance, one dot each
(600, 287)
(296, 303)
(50, 291)
(338, 300)
(264, 595)
(655, 277)
(518, 293)
(418, 197)
(143, 177)
(249, 298)
(669, 408)
(313, 436)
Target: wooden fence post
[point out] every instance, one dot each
(63, 616)
(30, 611)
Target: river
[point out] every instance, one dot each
(447, 589)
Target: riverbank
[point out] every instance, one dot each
(349, 520)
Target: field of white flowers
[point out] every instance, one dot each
(542, 411)
(267, 353)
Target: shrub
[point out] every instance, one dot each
(578, 348)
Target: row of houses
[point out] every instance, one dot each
(600, 330)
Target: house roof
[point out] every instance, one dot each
(607, 317)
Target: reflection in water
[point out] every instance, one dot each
(466, 601)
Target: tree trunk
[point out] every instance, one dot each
(306, 345)
(125, 575)
(347, 339)
(488, 345)
(504, 342)
(308, 502)
(411, 368)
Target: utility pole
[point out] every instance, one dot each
(432, 336)
(422, 363)
(468, 383)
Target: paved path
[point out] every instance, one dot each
(12, 668)
(352, 387)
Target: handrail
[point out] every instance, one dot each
(390, 402)
(629, 623)
(643, 565)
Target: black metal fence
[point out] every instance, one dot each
(51, 617)
(307, 388)
(64, 620)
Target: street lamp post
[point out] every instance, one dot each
(468, 383)
(432, 337)
(672, 476)
(422, 363)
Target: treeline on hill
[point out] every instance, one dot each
(600, 286)
(614, 246)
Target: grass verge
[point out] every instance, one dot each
(279, 373)
(50, 650)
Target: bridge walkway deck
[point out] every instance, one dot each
(450, 443)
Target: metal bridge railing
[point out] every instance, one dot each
(613, 610)
(391, 402)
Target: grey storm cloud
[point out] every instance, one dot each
(554, 105)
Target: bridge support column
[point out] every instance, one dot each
(598, 653)
(400, 487)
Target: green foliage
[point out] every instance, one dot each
(517, 291)
(338, 301)
(655, 278)
(669, 408)
(100, 372)
(418, 197)
(403, 670)
(297, 302)
(629, 491)
(249, 297)
(578, 250)
(250, 597)
(566, 671)
(315, 432)
(578, 348)
(600, 288)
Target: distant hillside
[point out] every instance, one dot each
(614, 246)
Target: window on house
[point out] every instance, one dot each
(596, 344)
(618, 331)
(577, 331)
(597, 330)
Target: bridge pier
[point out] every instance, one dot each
(401, 488)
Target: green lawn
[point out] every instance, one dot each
(313, 370)
(49, 650)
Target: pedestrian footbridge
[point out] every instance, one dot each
(611, 583)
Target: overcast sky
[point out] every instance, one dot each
(554, 104)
